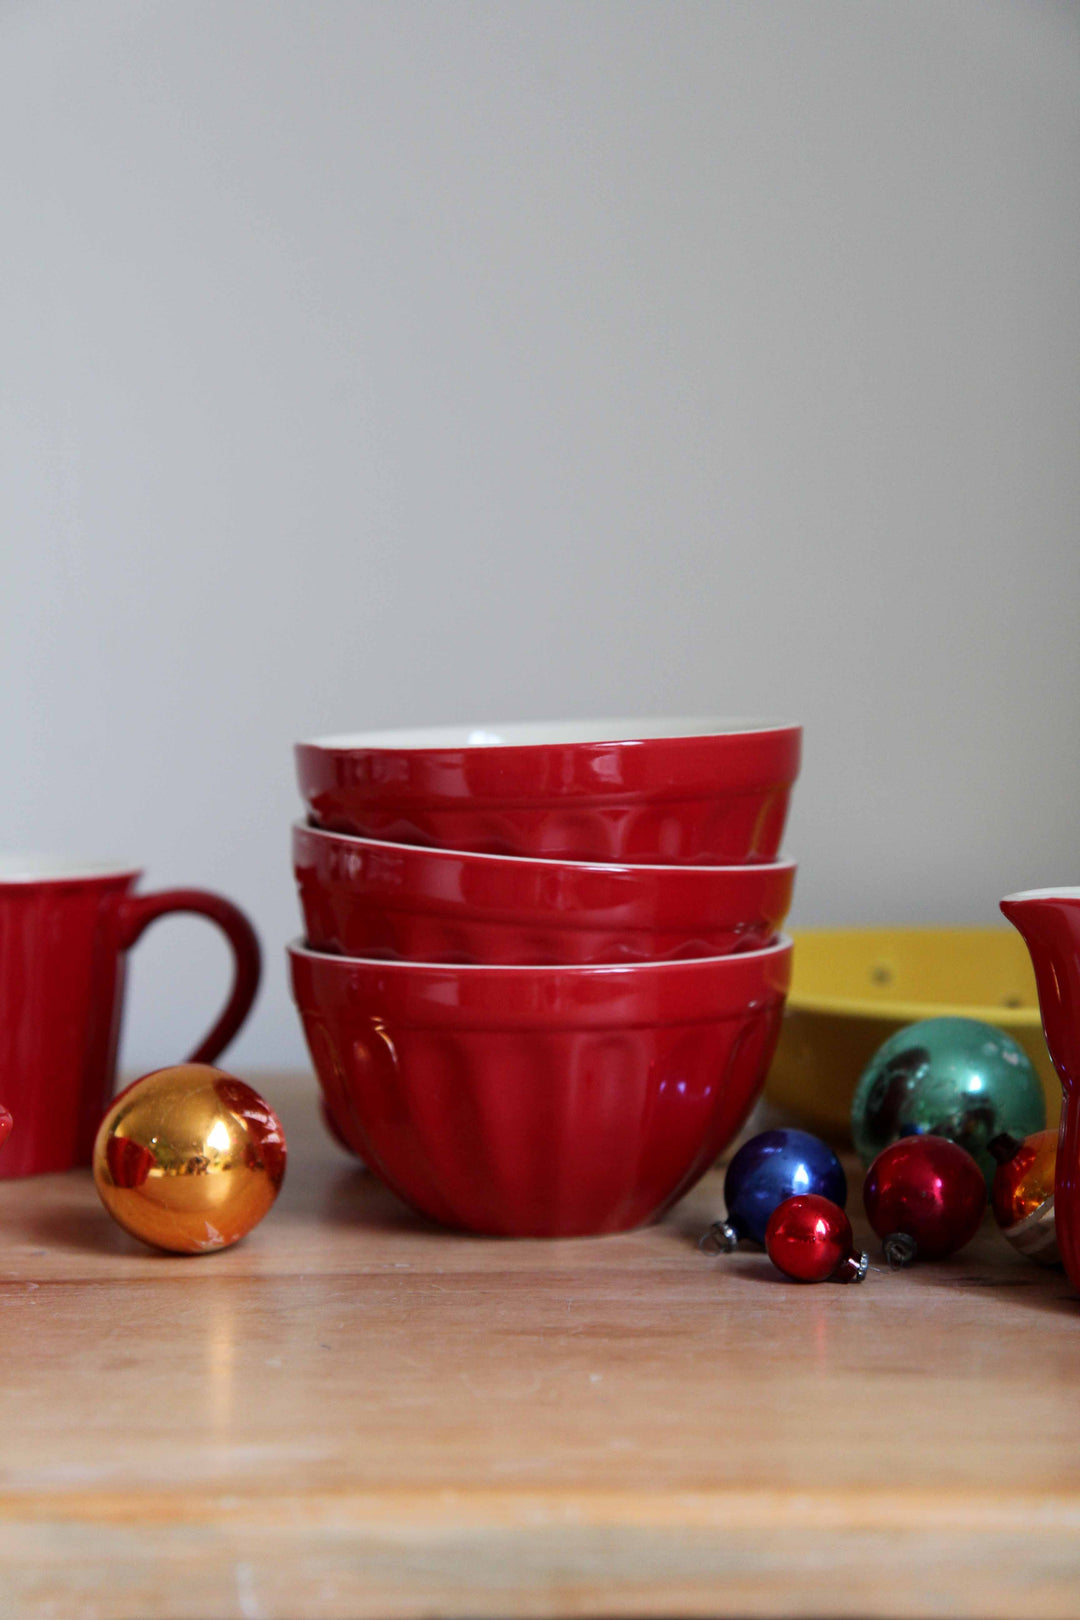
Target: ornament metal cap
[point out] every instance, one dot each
(721, 1238)
(1036, 1235)
(900, 1249)
(853, 1268)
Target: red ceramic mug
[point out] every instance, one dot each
(64, 931)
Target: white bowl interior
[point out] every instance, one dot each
(1066, 893)
(538, 733)
(58, 868)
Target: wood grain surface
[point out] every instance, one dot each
(355, 1414)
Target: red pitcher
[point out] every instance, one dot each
(64, 931)
(1049, 920)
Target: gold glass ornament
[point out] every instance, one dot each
(189, 1158)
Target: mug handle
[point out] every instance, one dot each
(138, 911)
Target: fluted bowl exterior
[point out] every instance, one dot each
(363, 897)
(541, 1102)
(701, 792)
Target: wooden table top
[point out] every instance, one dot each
(355, 1414)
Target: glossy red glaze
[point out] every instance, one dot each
(541, 1102)
(808, 1238)
(338, 1129)
(928, 1189)
(62, 945)
(1049, 920)
(603, 791)
(361, 897)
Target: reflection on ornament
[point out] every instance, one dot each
(1022, 1196)
(189, 1158)
(924, 1197)
(770, 1167)
(951, 1077)
(809, 1239)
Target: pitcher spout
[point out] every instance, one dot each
(1049, 920)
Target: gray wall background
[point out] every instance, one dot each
(370, 364)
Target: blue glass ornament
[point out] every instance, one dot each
(769, 1168)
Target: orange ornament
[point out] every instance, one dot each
(189, 1158)
(1022, 1194)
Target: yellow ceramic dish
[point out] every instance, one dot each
(854, 987)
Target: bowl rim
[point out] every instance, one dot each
(779, 946)
(907, 1012)
(536, 734)
(765, 868)
(1067, 891)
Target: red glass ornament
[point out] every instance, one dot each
(809, 1239)
(924, 1196)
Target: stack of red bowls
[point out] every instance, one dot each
(542, 975)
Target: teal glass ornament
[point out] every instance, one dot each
(952, 1077)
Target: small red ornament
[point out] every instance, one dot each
(924, 1196)
(809, 1239)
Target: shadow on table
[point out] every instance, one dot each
(1049, 1291)
(82, 1231)
(355, 1197)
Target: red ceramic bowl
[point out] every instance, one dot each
(361, 897)
(697, 792)
(541, 1102)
